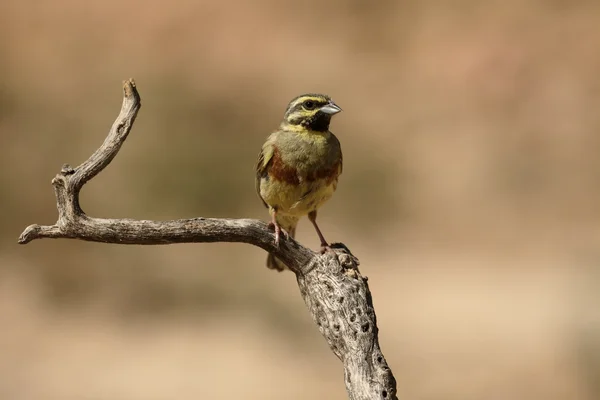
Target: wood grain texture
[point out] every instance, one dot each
(336, 294)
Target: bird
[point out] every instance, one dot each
(298, 167)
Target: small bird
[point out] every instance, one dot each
(299, 166)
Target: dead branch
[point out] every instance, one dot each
(335, 292)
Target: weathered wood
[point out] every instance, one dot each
(335, 292)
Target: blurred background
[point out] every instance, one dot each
(470, 193)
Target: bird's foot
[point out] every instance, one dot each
(278, 231)
(325, 247)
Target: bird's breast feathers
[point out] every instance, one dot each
(302, 173)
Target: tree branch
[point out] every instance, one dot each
(335, 292)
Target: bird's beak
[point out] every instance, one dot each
(331, 108)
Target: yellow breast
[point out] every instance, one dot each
(296, 199)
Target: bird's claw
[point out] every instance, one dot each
(325, 248)
(278, 231)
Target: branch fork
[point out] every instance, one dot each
(336, 294)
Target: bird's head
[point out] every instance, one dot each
(310, 112)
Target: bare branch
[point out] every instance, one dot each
(335, 292)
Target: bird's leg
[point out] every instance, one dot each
(275, 226)
(312, 216)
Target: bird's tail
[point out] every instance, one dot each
(288, 224)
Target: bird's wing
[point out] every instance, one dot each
(339, 147)
(340, 159)
(262, 165)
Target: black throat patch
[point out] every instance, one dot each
(318, 122)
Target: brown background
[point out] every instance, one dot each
(471, 194)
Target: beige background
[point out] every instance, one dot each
(470, 192)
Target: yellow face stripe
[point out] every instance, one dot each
(298, 117)
(302, 99)
(317, 98)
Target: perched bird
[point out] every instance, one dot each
(298, 167)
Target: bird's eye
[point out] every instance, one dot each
(309, 104)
